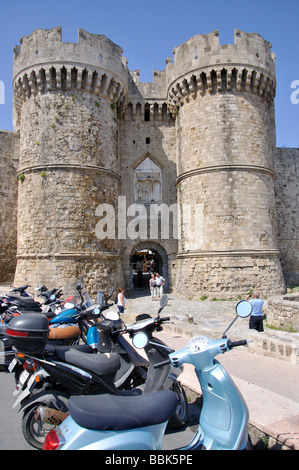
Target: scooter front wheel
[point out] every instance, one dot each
(180, 417)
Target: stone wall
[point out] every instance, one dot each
(225, 277)
(279, 344)
(9, 155)
(283, 312)
(287, 197)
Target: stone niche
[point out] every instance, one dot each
(147, 183)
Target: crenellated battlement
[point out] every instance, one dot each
(147, 100)
(46, 46)
(201, 65)
(94, 65)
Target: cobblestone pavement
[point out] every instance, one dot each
(191, 317)
(206, 317)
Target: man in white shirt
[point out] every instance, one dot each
(160, 281)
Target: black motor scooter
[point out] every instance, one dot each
(51, 374)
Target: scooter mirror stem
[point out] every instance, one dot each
(224, 334)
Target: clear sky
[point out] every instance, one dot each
(148, 32)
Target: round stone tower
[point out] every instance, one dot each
(67, 98)
(223, 99)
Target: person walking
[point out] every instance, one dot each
(256, 317)
(160, 281)
(121, 300)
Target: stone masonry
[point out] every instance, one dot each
(9, 154)
(197, 142)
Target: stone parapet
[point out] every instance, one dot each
(279, 344)
(283, 312)
(43, 63)
(201, 65)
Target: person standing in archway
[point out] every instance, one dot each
(152, 266)
(160, 281)
(153, 286)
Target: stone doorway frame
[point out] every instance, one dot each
(145, 245)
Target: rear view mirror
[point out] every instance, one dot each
(163, 301)
(244, 308)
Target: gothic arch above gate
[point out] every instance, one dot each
(160, 252)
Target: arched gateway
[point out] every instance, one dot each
(142, 259)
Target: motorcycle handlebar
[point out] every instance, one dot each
(105, 307)
(234, 344)
(160, 364)
(153, 325)
(230, 344)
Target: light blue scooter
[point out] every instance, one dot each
(138, 422)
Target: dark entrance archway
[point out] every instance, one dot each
(147, 257)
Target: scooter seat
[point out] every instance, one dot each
(26, 302)
(98, 363)
(119, 413)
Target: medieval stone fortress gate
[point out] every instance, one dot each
(196, 146)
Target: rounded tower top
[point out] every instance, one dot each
(92, 50)
(43, 63)
(202, 64)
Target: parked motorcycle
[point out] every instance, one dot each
(108, 336)
(21, 290)
(14, 305)
(166, 377)
(138, 423)
(16, 299)
(52, 375)
(66, 326)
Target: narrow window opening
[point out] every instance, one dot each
(74, 73)
(147, 113)
(234, 79)
(53, 78)
(63, 75)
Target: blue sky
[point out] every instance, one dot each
(148, 32)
